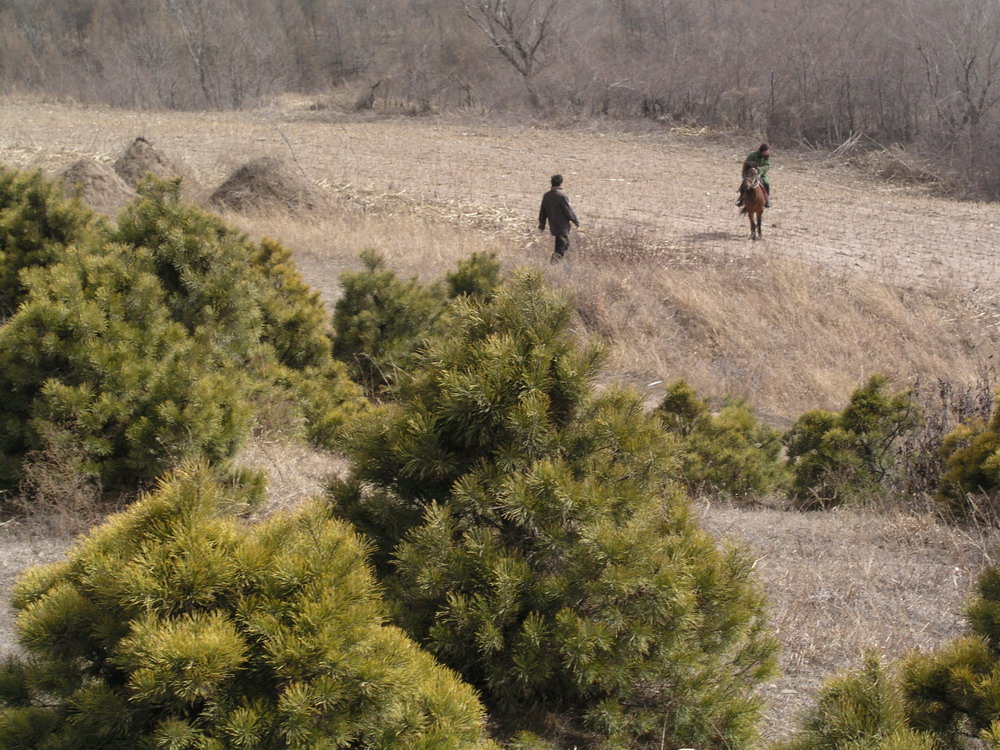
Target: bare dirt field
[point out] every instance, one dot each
(839, 582)
(675, 185)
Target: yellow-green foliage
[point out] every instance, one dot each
(174, 625)
(93, 353)
(847, 456)
(36, 226)
(729, 452)
(859, 710)
(531, 532)
(971, 455)
(381, 322)
(477, 275)
(955, 692)
(947, 699)
(146, 344)
(991, 735)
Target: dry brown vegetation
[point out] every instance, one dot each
(854, 276)
(825, 75)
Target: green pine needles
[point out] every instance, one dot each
(863, 709)
(381, 321)
(971, 454)
(36, 225)
(531, 534)
(149, 344)
(729, 453)
(947, 699)
(176, 626)
(847, 456)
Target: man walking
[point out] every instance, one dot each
(556, 210)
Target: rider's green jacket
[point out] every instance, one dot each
(762, 164)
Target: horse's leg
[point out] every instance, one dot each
(760, 224)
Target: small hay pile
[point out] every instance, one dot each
(142, 158)
(97, 185)
(495, 221)
(267, 184)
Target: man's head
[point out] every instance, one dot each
(764, 150)
(557, 180)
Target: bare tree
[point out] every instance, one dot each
(194, 18)
(525, 32)
(960, 50)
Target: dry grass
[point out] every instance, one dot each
(326, 246)
(847, 581)
(295, 472)
(854, 276)
(785, 335)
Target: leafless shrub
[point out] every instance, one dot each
(896, 164)
(945, 405)
(57, 491)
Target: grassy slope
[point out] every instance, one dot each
(882, 280)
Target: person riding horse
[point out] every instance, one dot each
(761, 161)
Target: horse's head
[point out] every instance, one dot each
(751, 179)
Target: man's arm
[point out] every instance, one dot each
(568, 212)
(542, 216)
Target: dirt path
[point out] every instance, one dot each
(676, 188)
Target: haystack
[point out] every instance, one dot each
(267, 184)
(142, 158)
(97, 185)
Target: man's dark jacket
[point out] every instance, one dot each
(555, 208)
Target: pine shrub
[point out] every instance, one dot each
(531, 533)
(176, 626)
(249, 301)
(36, 225)
(380, 321)
(221, 286)
(971, 454)
(948, 698)
(849, 456)
(93, 354)
(859, 710)
(730, 452)
(954, 693)
(149, 342)
(479, 274)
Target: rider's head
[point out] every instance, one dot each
(557, 180)
(764, 150)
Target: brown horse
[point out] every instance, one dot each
(754, 199)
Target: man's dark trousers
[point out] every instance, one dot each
(562, 245)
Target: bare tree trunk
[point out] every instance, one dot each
(191, 17)
(524, 32)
